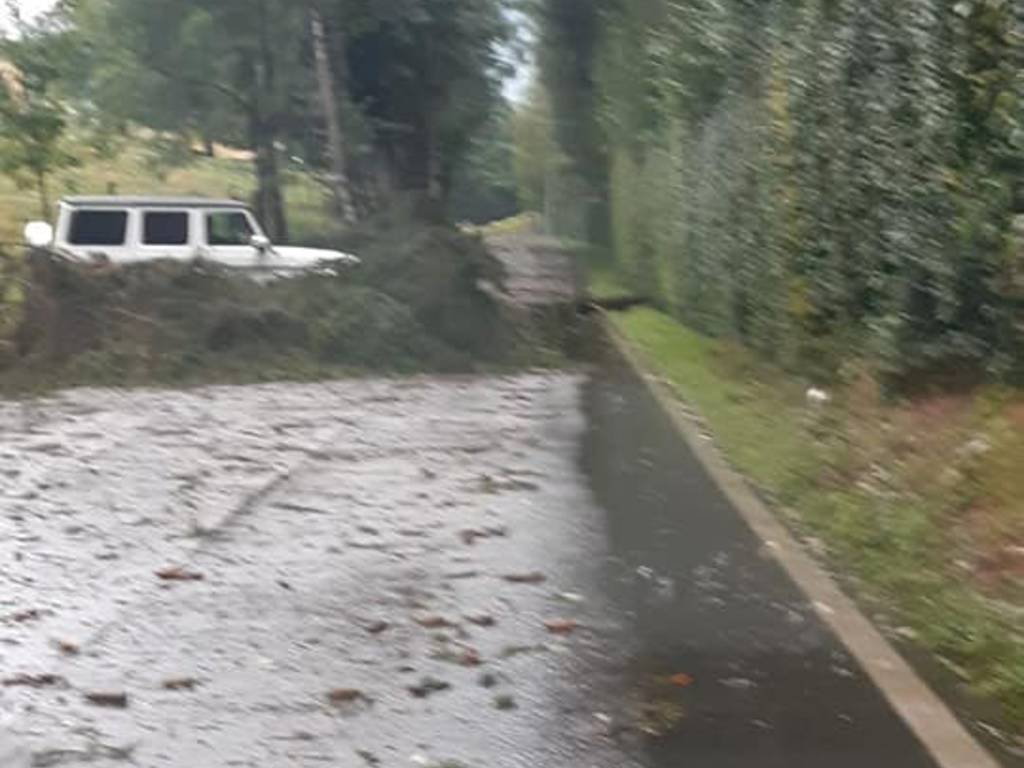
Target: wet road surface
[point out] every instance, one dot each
(399, 573)
(701, 594)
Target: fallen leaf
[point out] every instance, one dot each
(525, 578)
(470, 658)
(434, 622)
(180, 684)
(462, 575)
(681, 680)
(34, 681)
(428, 686)
(505, 703)
(511, 651)
(571, 597)
(67, 648)
(52, 757)
(488, 680)
(561, 626)
(345, 696)
(179, 573)
(112, 699)
(32, 614)
(378, 627)
(482, 620)
(469, 536)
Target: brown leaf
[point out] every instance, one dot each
(34, 681)
(180, 684)
(428, 686)
(470, 658)
(179, 573)
(345, 696)
(469, 536)
(67, 648)
(32, 614)
(561, 626)
(525, 578)
(434, 622)
(681, 680)
(112, 699)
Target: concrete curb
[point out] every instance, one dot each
(928, 718)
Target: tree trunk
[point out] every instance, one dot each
(44, 195)
(435, 184)
(328, 102)
(269, 201)
(263, 134)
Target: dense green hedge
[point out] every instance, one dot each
(824, 180)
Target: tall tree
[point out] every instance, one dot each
(340, 184)
(428, 75)
(208, 65)
(32, 120)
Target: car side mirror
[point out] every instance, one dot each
(260, 242)
(38, 234)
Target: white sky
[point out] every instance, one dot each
(514, 89)
(29, 8)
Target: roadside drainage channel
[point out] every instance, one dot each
(775, 664)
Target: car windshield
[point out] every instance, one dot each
(228, 228)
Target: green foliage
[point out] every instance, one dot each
(569, 35)
(536, 154)
(824, 180)
(427, 74)
(483, 187)
(897, 535)
(417, 82)
(33, 123)
(414, 305)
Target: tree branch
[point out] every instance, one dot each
(221, 88)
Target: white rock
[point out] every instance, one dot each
(818, 397)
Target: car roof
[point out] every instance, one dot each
(115, 201)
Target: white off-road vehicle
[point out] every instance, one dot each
(127, 230)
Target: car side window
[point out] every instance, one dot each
(165, 228)
(98, 227)
(228, 228)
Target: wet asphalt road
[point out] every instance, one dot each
(519, 571)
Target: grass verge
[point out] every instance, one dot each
(916, 503)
